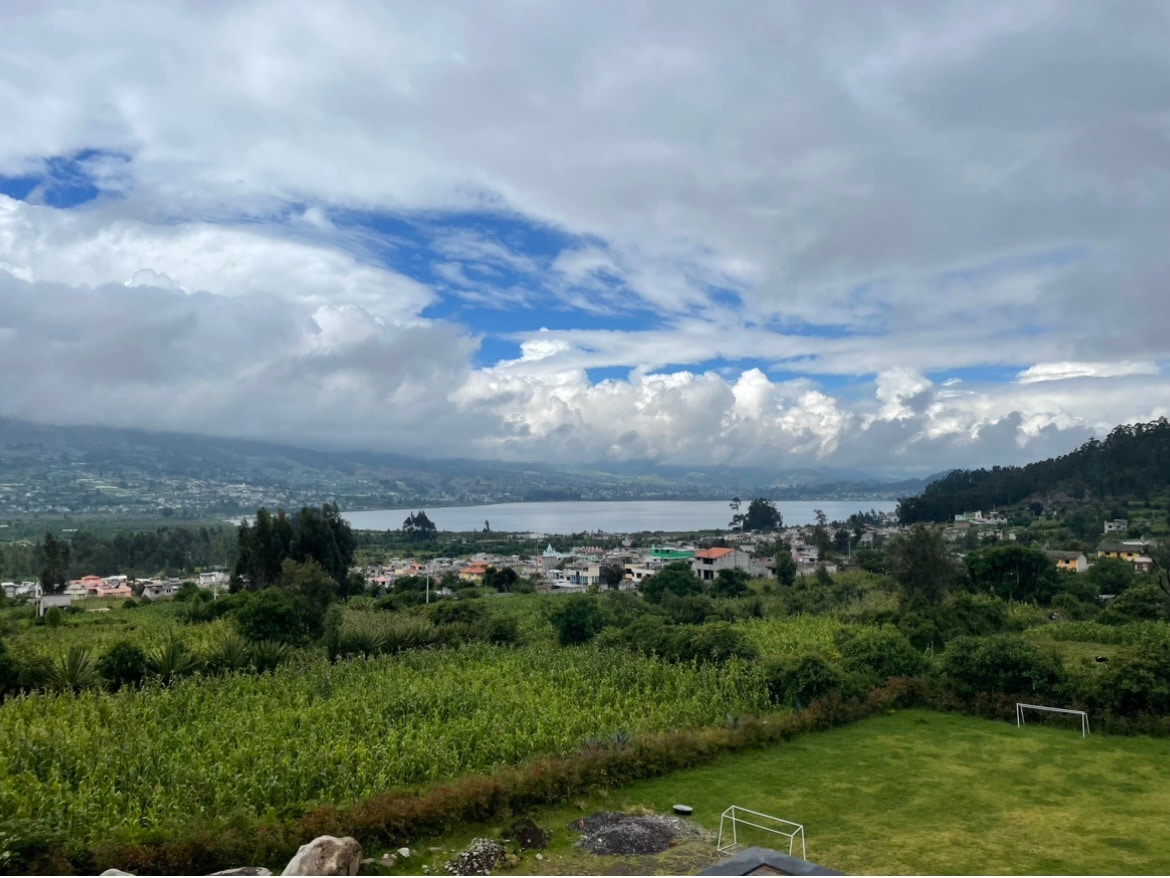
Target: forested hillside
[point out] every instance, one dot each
(1133, 461)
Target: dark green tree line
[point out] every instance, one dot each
(1133, 460)
(321, 536)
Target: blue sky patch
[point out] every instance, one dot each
(493, 350)
(608, 373)
(977, 374)
(65, 181)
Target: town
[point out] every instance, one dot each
(623, 565)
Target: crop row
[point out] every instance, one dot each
(244, 745)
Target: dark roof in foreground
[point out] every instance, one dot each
(764, 861)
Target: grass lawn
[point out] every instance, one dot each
(913, 792)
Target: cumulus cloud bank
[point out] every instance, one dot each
(884, 235)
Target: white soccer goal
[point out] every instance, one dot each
(786, 828)
(1022, 708)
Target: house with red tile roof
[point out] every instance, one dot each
(708, 562)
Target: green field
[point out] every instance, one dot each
(247, 745)
(914, 792)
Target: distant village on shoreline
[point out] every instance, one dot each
(582, 567)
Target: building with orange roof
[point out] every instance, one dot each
(708, 562)
(473, 572)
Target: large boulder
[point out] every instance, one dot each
(326, 856)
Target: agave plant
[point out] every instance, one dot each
(75, 670)
(403, 633)
(171, 661)
(267, 655)
(363, 640)
(229, 654)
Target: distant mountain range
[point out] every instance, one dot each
(51, 471)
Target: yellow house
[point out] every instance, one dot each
(1074, 562)
(1134, 553)
(1124, 551)
(473, 572)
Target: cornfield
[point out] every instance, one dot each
(792, 636)
(205, 748)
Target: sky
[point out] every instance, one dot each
(894, 237)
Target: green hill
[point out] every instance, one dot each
(1132, 462)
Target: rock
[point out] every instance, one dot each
(540, 856)
(244, 870)
(326, 856)
(113, 872)
(481, 856)
(404, 853)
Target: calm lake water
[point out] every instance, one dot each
(618, 516)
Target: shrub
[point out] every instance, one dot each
(877, 654)
(123, 664)
(577, 620)
(675, 578)
(972, 614)
(620, 608)
(187, 591)
(9, 671)
(1070, 607)
(500, 631)
(690, 610)
(53, 617)
(276, 615)
(796, 682)
(715, 642)
(731, 584)
(448, 612)
(35, 672)
(921, 630)
(1001, 665)
(648, 635)
(1136, 681)
(1144, 602)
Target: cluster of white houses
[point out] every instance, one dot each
(118, 586)
(581, 567)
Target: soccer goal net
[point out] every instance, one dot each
(1040, 709)
(735, 817)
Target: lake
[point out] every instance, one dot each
(610, 516)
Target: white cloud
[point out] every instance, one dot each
(94, 247)
(148, 277)
(839, 190)
(1065, 370)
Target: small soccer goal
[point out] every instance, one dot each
(736, 816)
(1022, 709)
